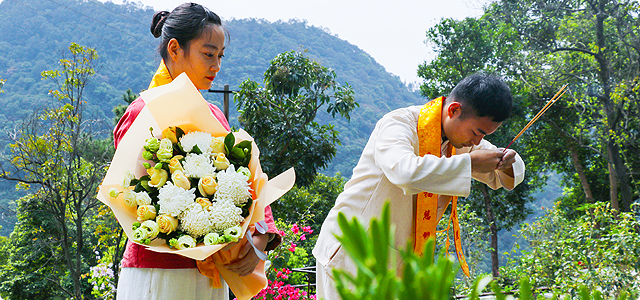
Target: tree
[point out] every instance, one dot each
(34, 268)
(55, 153)
(281, 117)
(464, 47)
(120, 109)
(313, 201)
(593, 45)
(600, 249)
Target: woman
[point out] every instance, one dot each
(193, 42)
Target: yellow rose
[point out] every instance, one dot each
(146, 212)
(167, 223)
(158, 177)
(204, 202)
(221, 162)
(207, 186)
(175, 164)
(129, 198)
(179, 179)
(170, 133)
(217, 145)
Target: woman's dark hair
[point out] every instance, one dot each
(484, 95)
(185, 23)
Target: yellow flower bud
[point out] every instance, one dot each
(158, 177)
(175, 164)
(167, 223)
(217, 145)
(204, 202)
(179, 179)
(207, 186)
(170, 133)
(146, 212)
(221, 162)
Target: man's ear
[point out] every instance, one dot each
(174, 50)
(453, 108)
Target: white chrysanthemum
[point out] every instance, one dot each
(232, 186)
(173, 200)
(195, 221)
(198, 165)
(202, 139)
(224, 214)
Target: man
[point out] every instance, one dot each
(419, 159)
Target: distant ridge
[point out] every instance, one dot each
(35, 33)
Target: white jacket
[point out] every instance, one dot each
(390, 168)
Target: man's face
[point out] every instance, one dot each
(465, 131)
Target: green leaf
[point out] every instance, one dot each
(229, 142)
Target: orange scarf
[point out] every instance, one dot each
(430, 140)
(161, 77)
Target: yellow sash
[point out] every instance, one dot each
(161, 77)
(430, 139)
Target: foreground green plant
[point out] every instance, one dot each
(422, 276)
(600, 250)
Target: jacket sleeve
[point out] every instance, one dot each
(277, 238)
(498, 179)
(396, 153)
(127, 119)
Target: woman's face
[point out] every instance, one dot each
(202, 60)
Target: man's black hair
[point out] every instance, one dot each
(483, 94)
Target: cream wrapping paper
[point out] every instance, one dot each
(180, 104)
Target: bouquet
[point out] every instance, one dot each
(196, 190)
(200, 203)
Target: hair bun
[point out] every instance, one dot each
(157, 22)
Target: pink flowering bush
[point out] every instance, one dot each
(294, 252)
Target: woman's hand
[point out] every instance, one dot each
(247, 259)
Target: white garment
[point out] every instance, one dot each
(167, 284)
(390, 169)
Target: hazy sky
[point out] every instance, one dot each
(391, 31)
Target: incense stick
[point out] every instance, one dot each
(542, 111)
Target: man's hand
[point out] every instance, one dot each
(485, 161)
(506, 163)
(247, 259)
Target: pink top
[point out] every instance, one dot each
(136, 256)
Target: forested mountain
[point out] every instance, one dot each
(34, 34)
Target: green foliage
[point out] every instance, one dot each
(35, 33)
(120, 109)
(33, 266)
(282, 281)
(426, 278)
(592, 46)
(282, 116)
(311, 203)
(474, 236)
(422, 277)
(458, 45)
(600, 250)
(55, 153)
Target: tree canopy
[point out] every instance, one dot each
(282, 116)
